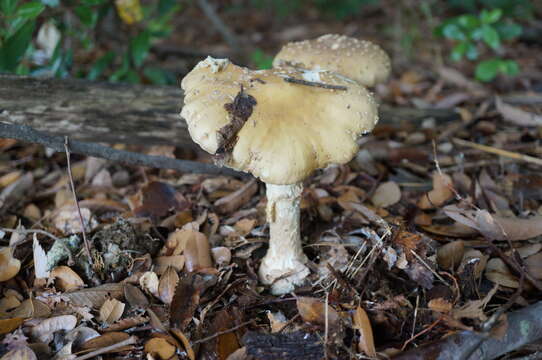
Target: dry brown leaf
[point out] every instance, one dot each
(160, 347)
(474, 309)
(32, 212)
(105, 340)
(186, 300)
(31, 308)
(237, 199)
(239, 354)
(9, 302)
(186, 343)
(8, 325)
(66, 279)
(46, 328)
(386, 194)
(441, 193)
(9, 266)
(12, 193)
(166, 287)
(313, 310)
(276, 320)
(516, 115)
(440, 304)
(149, 282)
(163, 262)
(176, 241)
(20, 353)
(244, 226)
(496, 227)
(111, 311)
(124, 324)
(197, 252)
(449, 255)
(475, 257)
(498, 273)
(159, 199)
(366, 340)
(95, 297)
(134, 296)
(9, 178)
(534, 265)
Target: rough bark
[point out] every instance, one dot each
(122, 113)
(292, 346)
(524, 327)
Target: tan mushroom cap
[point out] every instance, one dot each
(359, 60)
(293, 129)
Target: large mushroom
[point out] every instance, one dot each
(280, 125)
(359, 60)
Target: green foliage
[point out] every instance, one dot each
(339, 9)
(123, 58)
(473, 33)
(514, 8)
(261, 60)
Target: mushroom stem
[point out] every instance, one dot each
(283, 267)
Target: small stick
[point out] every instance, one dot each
(83, 232)
(217, 334)
(494, 150)
(429, 267)
(131, 340)
(421, 333)
(28, 231)
(315, 84)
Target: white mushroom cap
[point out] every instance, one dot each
(293, 129)
(359, 60)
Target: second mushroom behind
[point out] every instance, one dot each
(280, 125)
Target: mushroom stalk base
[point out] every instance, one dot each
(283, 267)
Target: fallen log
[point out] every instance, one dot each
(45, 111)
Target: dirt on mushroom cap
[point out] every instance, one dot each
(360, 60)
(293, 128)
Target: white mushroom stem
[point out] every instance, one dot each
(283, 267)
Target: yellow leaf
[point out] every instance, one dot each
(8, 325)
(129, 11)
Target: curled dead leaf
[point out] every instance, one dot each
(9, 266)
(45, 330)
(313, 310)
(105, 340)
(20, 353)
(197, 252)
(111, 311)
(160, 347)
(441, 193)
(363, 325)
(498, 273)
(449, 255)
(386, 194)
(149, 282)
(66, 279)
(166, 287)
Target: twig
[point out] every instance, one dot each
(315, 84)
(421, 333)
(288, 323)
(72, 185)
(217, 334)
(28, 134)
(429, 267)
(28, 231)
(494, 150)
(219, 25)
(131, 340)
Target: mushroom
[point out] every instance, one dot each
(359, 60)
(280, 125)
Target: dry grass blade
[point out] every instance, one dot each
(497, 151)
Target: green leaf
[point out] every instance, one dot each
(51, 3)
(166, 6)
(487, 70)
(14, 47)
(453, 31)
(459, 50)
(158, 76)
(100, 65)
(490, 16)
(468, 21)
(92, 2)
(491, 37)
(472, 51)
(8, 7)
(139, 47)
(132, 77)
(509, 67)
(87, 15)
(30, 10)
(508, 31)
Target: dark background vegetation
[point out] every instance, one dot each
(157, 41)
